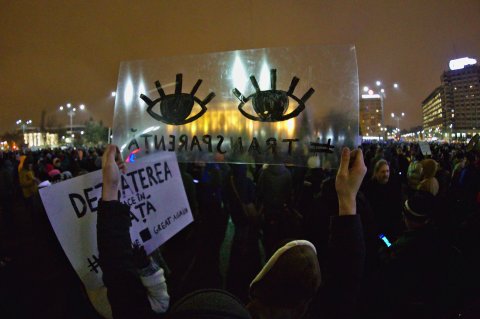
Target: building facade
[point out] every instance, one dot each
(434, 112)
(453, 109)
(371, 116)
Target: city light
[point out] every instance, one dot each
(82, 107)
(458, 64)
(114, 93)
(69, 105)
(370, 96)
(61, 108)
(365, 89)
(395, 85)
(382, 90)
(378, 83)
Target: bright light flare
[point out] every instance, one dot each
(365, 89)
(82, 107)
(113, 94)
(395, 85)
(61, 108)
(458, 64)
(378, 83)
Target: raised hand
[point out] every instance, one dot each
(112, 164)
(350, 174)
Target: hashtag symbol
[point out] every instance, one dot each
(318, 148)
(93, 265)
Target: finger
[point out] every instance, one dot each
(344, 160)
(122, 167)
(109, 155)
(359, 162)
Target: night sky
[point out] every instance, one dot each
(54, 52)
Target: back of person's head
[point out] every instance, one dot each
(287, 282)
(209, 304)
(419, 209)
(430, 167)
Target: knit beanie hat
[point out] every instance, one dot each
(420, 206)
(209, 304)
(290, 277)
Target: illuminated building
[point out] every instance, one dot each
(371, 116)
(453, 109)
(434, 113)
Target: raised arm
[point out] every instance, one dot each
(126, 294)
(346, 245)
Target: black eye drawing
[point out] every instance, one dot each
(271, 105)
(175, 108)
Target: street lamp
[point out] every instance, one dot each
(23, 125)
(71, 111)
(398, 118)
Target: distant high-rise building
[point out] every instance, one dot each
(371, 115)
(434, 114)
(454, 107)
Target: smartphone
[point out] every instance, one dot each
(385, 240)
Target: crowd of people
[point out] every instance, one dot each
(393, 233)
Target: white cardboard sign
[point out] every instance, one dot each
(425, 148)
(153, 189)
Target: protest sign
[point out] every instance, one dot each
(272, 105)
(152, 188)
(425, 148)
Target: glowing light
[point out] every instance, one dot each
(239, 75)
(458, 64)
(290, 126)
(128, 93)
(382, 90)
(141, 89)
(264, 77)
(395, 85)
(69, 105)
(370, 92)
(378, 83)
(371, 96)
(113, 94)
(61, 108)
(74, 109)
(393, 115)
(81, 132)
(403, 114)
(365, 89)
(131, 157)
(82, 107)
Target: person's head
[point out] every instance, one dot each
(287, 282)
(430, 168)
(208, 304)
(381, 172)
(418, 210)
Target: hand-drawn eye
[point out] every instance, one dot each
(175, 108)
(271, 105)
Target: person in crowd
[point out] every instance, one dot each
(136, 285)
(274, 195)
(28, 183)
(416, 269)
(385, 198)
(429, 182)
(414, 172)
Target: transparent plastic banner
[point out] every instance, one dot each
(296, 105)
